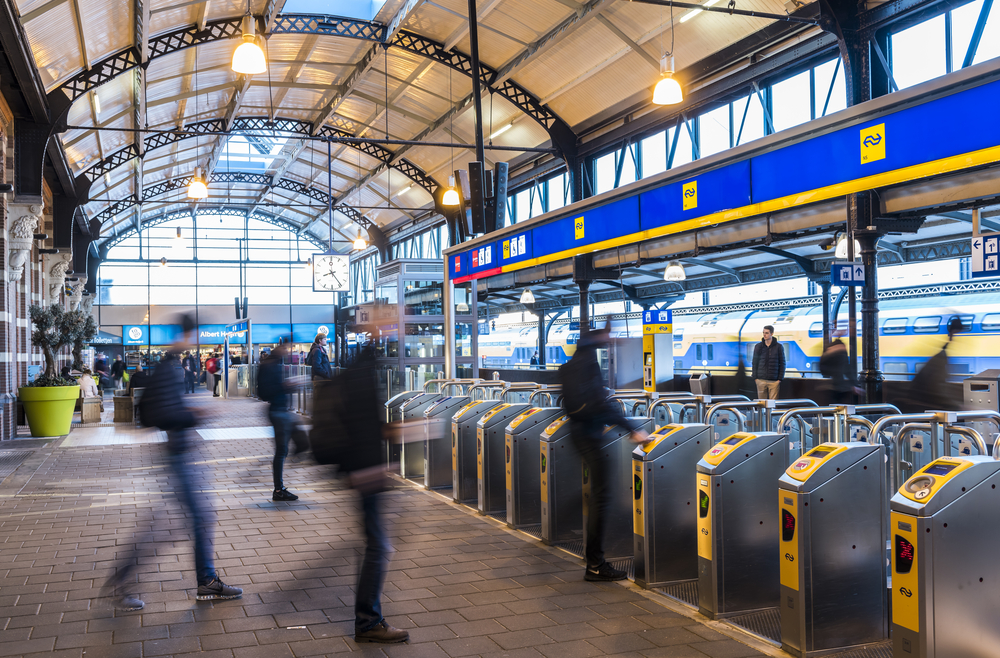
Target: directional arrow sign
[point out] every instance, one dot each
(984, 259)
(847, 273)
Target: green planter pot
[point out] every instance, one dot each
(49, 408)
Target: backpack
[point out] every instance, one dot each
(151, 412)
(578, 398)
(212, 365)
(328, 436)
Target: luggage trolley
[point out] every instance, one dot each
(832, 549)
(664, 518)
(437, 452)
(560, 467)
(738, 524)
(521, 453)
(463, 450)
(491, 487)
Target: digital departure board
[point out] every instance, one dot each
(941, 468)
(904, 555)
(787, 525)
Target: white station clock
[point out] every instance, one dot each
(331, 273)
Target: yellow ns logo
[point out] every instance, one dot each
(578, 228)
(506, 249)
(690, 191)
(873, 144)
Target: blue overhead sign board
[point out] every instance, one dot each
(846, 273)
(985, 260)
(896, 146)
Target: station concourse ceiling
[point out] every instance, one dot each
(580, 64)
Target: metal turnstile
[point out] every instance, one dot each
(465, 482)
(665, 525)
(944, 532)
(560, 466)
(411, 457)
(616, 452)
(491, 494)
(738, 524)
(832, 549)
(437, 447)
(522, 457)
(394, 414)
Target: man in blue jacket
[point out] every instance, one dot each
(768, 365)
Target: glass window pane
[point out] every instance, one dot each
(628, 166)
(523, 207)
(604, 169)
(463, 298)
(209, 276)
(172, 295)
(424, 341)
(217, 295)
(714, 131)
(791, 102)
(918, 53)
(268, 295)
(751, 117)
(654, 154)
(838, 96)
(423, 297)
(684, 153)
(557, 192)
(266, 276)
(535, 194)
(172, 275)
(989, 45)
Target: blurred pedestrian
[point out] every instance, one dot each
(768, 365)
(117, 370)
(190, 365)
(163, 406)
(272, 388)
(139, 378)
(361, 416)
(319, 359)
(213, 367)
(590, 411)
(835, 364)
(534, 360)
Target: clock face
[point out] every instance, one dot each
(331, 273)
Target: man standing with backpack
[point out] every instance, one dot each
(163, 406)
(586, 402)
(271, 389)
(213, 368)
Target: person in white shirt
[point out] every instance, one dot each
(87, 385)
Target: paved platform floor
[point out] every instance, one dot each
(461, 584)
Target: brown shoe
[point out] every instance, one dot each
(382, 633)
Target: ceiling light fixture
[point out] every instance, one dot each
(694, 12)
(359, 243)
(179, 236)
(450, 197)
(197, 189)
(527, 297)
(248, 58)
(667, 90)
(163, 262)
(841, 253)
(504, 128)
(97, 103)
(674, 272)
(309, 264)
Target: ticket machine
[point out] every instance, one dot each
(657, 349)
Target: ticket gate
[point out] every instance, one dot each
(522, 455)
(394, 414)
(437, 447)
(664, 522)
(560, 466)
(616, 455)
(491, 489)
(465, 483)
(738, 524)
(411, 457)
(832, 549)
(944, 536)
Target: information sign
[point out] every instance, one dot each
(985, 260)
(846, 273)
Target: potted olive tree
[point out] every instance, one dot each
(49, 400)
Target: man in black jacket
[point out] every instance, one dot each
(586, 402)
(271, 388)
(190, 365)
(362, 416)
(117, 370)
(163, 405)
(768, 365)
(318, 359)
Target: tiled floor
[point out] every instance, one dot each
(462, 584)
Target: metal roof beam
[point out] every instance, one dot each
(967, 219)
(715, 266)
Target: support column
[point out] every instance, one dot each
(449, 325)
(584, 307)
(871, 375)
(825, 285)
(541, 339)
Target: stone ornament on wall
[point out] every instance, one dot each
(76, 295)
(56, 267)
(20, 238)
(88, 304)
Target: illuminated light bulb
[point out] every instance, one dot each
(450, 197)
(197, 188)
(527, 297)
(667, 90)
(248, 58)
(360, 244)
(674, 272)
(502, 130)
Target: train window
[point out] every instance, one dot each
(816, 330)
(927, 325)
(991, 322)
(966, 321)
(697, 351)
(678, 365)
(787, 349)
(896, 368)
(958, 368)
(894, 326)
(710, 355)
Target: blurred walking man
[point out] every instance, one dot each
(163, 406)
(768, 365)
(271, 389)
(586, 402)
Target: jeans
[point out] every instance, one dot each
(600, 493)
(188, 381)
(282, 421)
(368, 597)
(189, 478)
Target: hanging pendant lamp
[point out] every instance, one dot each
(667, 90)
(197, 189)
(248, 58)
(450, 197)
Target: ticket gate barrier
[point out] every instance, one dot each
(944, 534)
(615, 454)
(437, 447)
(491, 488)
(411, 458)
(665, 524)
(522, 455)
(560, 467)
(394, 414)
(738, 524)
(465, 483)
(832, 549)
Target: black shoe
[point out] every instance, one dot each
(128, 603)
(383, 633)
(218, 590)
(283, 495)
(605, 572)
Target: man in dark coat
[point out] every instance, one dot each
(318, 359)
(271, 388)
(768, 365)
(117, 370)
(190, 365)
(586, 402)
(362, 415)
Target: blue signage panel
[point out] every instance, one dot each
(306, 333)
(713, 191)
(605, 222)
(209, 333)
(458, 265)
(985, 260)
(271, 333)
(657, 317)
(515, 248)
(846, 273)
(484, 258)
(135, 334)
(104, 338)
